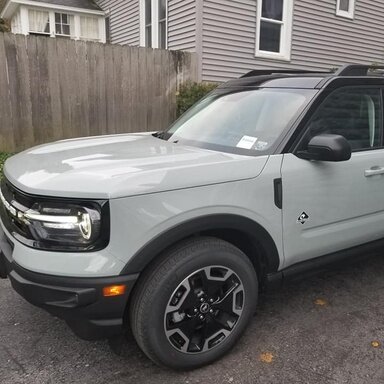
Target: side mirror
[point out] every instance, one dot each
(327, 147)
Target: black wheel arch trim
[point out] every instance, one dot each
(141, 259)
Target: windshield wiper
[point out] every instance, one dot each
(160, 135)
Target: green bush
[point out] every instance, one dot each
(3, 156)
(190, 93)
(4, 26)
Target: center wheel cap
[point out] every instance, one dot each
(204, 308)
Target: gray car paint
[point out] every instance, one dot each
(123, 165)
(345, 207)
(153, 186)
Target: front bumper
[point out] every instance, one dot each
(78, 301)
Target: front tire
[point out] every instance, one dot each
(192, 306)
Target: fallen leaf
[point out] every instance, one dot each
(266, 357)
(375, 344)
(321, 302)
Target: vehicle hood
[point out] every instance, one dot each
(123, 165)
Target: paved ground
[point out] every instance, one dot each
(319, 330)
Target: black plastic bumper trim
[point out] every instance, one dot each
(77, 300)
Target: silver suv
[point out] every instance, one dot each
(174, 234)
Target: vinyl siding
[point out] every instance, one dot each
(182, 25)
(124, 20)
(320, 39)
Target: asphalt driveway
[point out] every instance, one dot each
(324, 329)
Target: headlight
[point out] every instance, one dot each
(65, 225)
(70, 225)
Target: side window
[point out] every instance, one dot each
(354, 113)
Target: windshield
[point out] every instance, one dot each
(246, 122)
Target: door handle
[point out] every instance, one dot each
(374, 171)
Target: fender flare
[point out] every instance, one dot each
(139, 261)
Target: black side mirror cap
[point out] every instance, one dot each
(327, 147)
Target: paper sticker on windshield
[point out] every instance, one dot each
(261, 145)
(247, 142)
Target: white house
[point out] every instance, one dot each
(74, 19)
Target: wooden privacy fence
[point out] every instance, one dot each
(52, 89)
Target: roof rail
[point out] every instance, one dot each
(357, 69)
(264, 72)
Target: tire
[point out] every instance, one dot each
(192, 306)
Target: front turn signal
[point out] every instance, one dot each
(114, 290)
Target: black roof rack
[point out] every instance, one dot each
(357, 70)
(345, 70)
(265, 72)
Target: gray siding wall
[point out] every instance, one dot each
(124, 20)
(182, 25)
(320, 39)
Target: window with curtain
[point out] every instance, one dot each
(89, 28)
(39, 22)
(274, 19)
(64, 24)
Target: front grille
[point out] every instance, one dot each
(14, 201)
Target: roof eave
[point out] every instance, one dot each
(8, 10)
(12, 5)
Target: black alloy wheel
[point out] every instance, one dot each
(191, 306)
(204, 309)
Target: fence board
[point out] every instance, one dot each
(53, 89)
(6, 132)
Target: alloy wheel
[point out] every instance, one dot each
(204, 309)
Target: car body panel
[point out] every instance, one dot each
(344, 207)
(123, 165)
(75, 264)
(138, 219)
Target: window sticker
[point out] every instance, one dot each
(261, 145)
(247, 142)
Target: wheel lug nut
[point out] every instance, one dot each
(211, 300)
(195, 310)
(211, 311)
(202, 300)
(201, 317)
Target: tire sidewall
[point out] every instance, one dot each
(199, 258)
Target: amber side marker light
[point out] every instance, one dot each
(114, 290)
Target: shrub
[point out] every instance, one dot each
(4, 26)
(190, 93)
(3, 156)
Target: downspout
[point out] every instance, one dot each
(199, 38)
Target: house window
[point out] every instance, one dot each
(162, 24)
(39, 22)
(108, 29)
(89, 28)
(148, 23)
(274, 23)
(64, 24)
(153, 24)
(345, 8)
